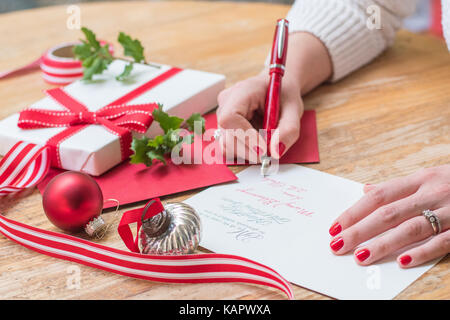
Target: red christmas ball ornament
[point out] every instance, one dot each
(72, 201)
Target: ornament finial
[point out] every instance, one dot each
(94, 226)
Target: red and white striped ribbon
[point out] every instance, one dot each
(61, 70)
(56, 69)
(26, 164)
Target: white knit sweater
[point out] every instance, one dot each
(342, 25)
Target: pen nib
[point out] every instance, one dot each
(265, 165)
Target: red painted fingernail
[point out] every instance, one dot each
(362, 254)
(337, 244)
(405, 260)
(281, 148)
(258, 150)
(335, 229)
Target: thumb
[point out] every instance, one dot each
(288, 130)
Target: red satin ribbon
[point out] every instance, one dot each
(117, 117)
(135, 216)
(18, 71)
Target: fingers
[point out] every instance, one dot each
(239, 138)
(244, 98)
(396, 207)
(236, 106)
(233, 148)
(368, 187)
(409, 232)
(242, 144)
(438, 246)
(288, 130)
(377, 197)
(381, 220)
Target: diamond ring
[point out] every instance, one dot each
(434, 220)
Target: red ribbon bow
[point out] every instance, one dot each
(117, 117)
(131, 117)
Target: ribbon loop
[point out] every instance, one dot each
(135, 216)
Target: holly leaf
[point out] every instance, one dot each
(172, 138)
(139, 147)
(196, 117)
(126, 72)
(94, 57)
(148, 150)
(104, 52)
(156, 142)
(83, 51)
(132, 47)
(96, 67)
(89, 61)
(155, 155)
(165, 121)
(91, 38)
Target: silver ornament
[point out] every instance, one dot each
(175, 231)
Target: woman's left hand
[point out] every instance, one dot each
(396, 206)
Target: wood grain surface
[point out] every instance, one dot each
(386, 120)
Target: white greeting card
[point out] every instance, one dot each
(282, 221)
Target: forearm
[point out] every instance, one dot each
(308, 63)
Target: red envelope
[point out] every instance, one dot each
(305, 150)
(129, 183)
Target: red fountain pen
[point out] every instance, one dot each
(276, 72)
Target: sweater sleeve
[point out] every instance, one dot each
(346, 29)
(446, 21)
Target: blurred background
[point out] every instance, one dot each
(12, 5)
(426, 19)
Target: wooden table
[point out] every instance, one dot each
(386, 120)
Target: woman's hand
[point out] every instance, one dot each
(396, 206)
(308, 64)
(241, 103)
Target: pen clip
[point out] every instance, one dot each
(281, 37)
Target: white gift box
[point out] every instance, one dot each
(95, 150)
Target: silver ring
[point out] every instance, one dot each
(434, 220)
(217, 134)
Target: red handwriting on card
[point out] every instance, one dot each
(288, 196)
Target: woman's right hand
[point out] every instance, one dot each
(308, 65)
(241, 103)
